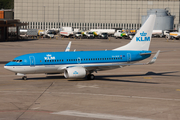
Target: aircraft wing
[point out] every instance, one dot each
(108, 66)
(100, 67)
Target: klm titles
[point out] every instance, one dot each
(143, 37)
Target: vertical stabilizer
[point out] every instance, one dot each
(142, 39)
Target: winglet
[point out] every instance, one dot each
(68, 47)
(154, 58)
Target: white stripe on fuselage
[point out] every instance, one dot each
(53, 68)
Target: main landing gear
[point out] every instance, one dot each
(90, 77)
(24, 77)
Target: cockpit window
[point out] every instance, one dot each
(17, 61)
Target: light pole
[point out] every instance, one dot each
(44, 18)
(58, 16)
(139, 19)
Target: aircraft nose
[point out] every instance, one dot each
(8, 67)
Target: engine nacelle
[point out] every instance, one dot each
(75, 72)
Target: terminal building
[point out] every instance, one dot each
(9, 26)
(90, 14)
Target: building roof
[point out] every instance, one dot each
(11, 23)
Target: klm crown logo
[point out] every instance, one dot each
(143, 34)
(143, 37)
(75, 72)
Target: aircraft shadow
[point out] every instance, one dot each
(42, 78)
(115, 80)
(104, 77)
(4, 62)
(129, 81)
(148, 74)
(20, 40)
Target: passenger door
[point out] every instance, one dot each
(32, 60)
(128, 57)
(79, 60)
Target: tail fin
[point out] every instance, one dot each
(142, 39)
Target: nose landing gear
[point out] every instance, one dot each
(21, 74)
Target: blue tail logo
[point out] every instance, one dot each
(143, 37)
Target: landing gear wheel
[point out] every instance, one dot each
(90, 77)
(24, 77)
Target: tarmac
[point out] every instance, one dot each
(143, 92)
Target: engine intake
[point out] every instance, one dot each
(75, 72)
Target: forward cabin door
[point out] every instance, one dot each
(32, 60)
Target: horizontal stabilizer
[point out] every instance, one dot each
(147, 53)
(155, 52)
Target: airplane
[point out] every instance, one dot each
(81, 64)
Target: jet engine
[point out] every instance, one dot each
(75, 72)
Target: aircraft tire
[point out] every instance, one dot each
(90, 77)
(24, 77)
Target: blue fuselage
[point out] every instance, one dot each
(78, 57)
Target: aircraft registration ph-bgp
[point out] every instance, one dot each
(81, 64)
